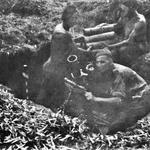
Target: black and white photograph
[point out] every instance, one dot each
(74, 74)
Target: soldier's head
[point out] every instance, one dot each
(104, 61)
(131, 4)
(124, 8)
(69, 15)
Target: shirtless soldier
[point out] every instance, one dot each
(134, 41)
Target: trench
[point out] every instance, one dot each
(21, 70)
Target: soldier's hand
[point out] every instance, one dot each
(80, 39)
(89, 96)
(89, 48)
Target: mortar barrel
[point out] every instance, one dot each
(98, 29)
(100, 37)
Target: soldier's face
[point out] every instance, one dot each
(123, 10)
(104, 63)
(72, 19)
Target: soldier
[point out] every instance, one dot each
(52, 93)
(55, 68)
(116, 96)
(134, 40)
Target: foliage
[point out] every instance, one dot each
(16, 31)
(25, 125)
(24, 7)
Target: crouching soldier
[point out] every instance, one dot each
(115, 96)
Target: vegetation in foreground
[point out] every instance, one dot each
(25, 125)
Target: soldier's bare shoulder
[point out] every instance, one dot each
(59, 29)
